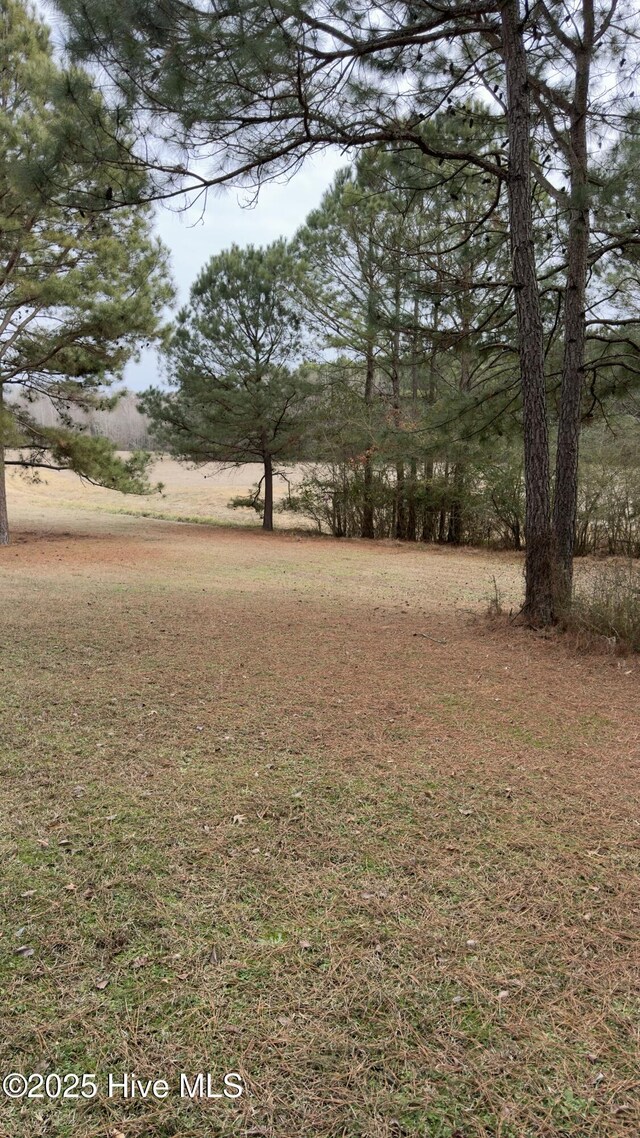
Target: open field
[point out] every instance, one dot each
(287, 806)
(188, 494)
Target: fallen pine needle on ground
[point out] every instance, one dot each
(280, 807)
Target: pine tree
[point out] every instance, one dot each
(274, 81)
(349, 75)
(232, 359)
(404, 271)
(80, 289)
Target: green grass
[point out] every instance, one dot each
(342, 987)
(170, 516)
(382, 948)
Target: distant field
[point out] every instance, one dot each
(202, 493)
(289, 806)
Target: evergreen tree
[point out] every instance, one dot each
(237, 397)
(404, 270)
(255, 87)
(274, 81)
(80, 289)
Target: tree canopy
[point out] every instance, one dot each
(80, 288)
(251, 89)
(236, 396)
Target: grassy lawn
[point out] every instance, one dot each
(286, 807)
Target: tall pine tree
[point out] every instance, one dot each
(80, 288)
(236, 396)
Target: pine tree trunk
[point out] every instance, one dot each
(454, 535)
(442, 523)
(430, 514)
(4, 517)
(267, 519)
(401, 503)
(400, 526)
(539, 561)
(442, 526)
(412, 513)
(565, 503)
(368, 529)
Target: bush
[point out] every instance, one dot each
(490, 513)
(250, 502)
(609, 492)
(607, 604)
(333, 497)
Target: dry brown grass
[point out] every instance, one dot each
(188, 493)
(412, 841)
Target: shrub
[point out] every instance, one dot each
(609, 493)
(248, 502)
(333, 497)
(607, 603)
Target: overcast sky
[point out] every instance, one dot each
(194, 236)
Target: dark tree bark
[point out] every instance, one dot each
(412, 512)
(368, 529)
(401, 503)
(368, 526)
(454, 533)
(400, 526)
(442, 526)
(539, 574)
(267, 518)
(442, 521)
(4, 517)
(566, 485)
(456, 512)
(429, 513)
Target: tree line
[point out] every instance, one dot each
(122, 423)
(248, 90)
(535, 108)
(379, 347)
